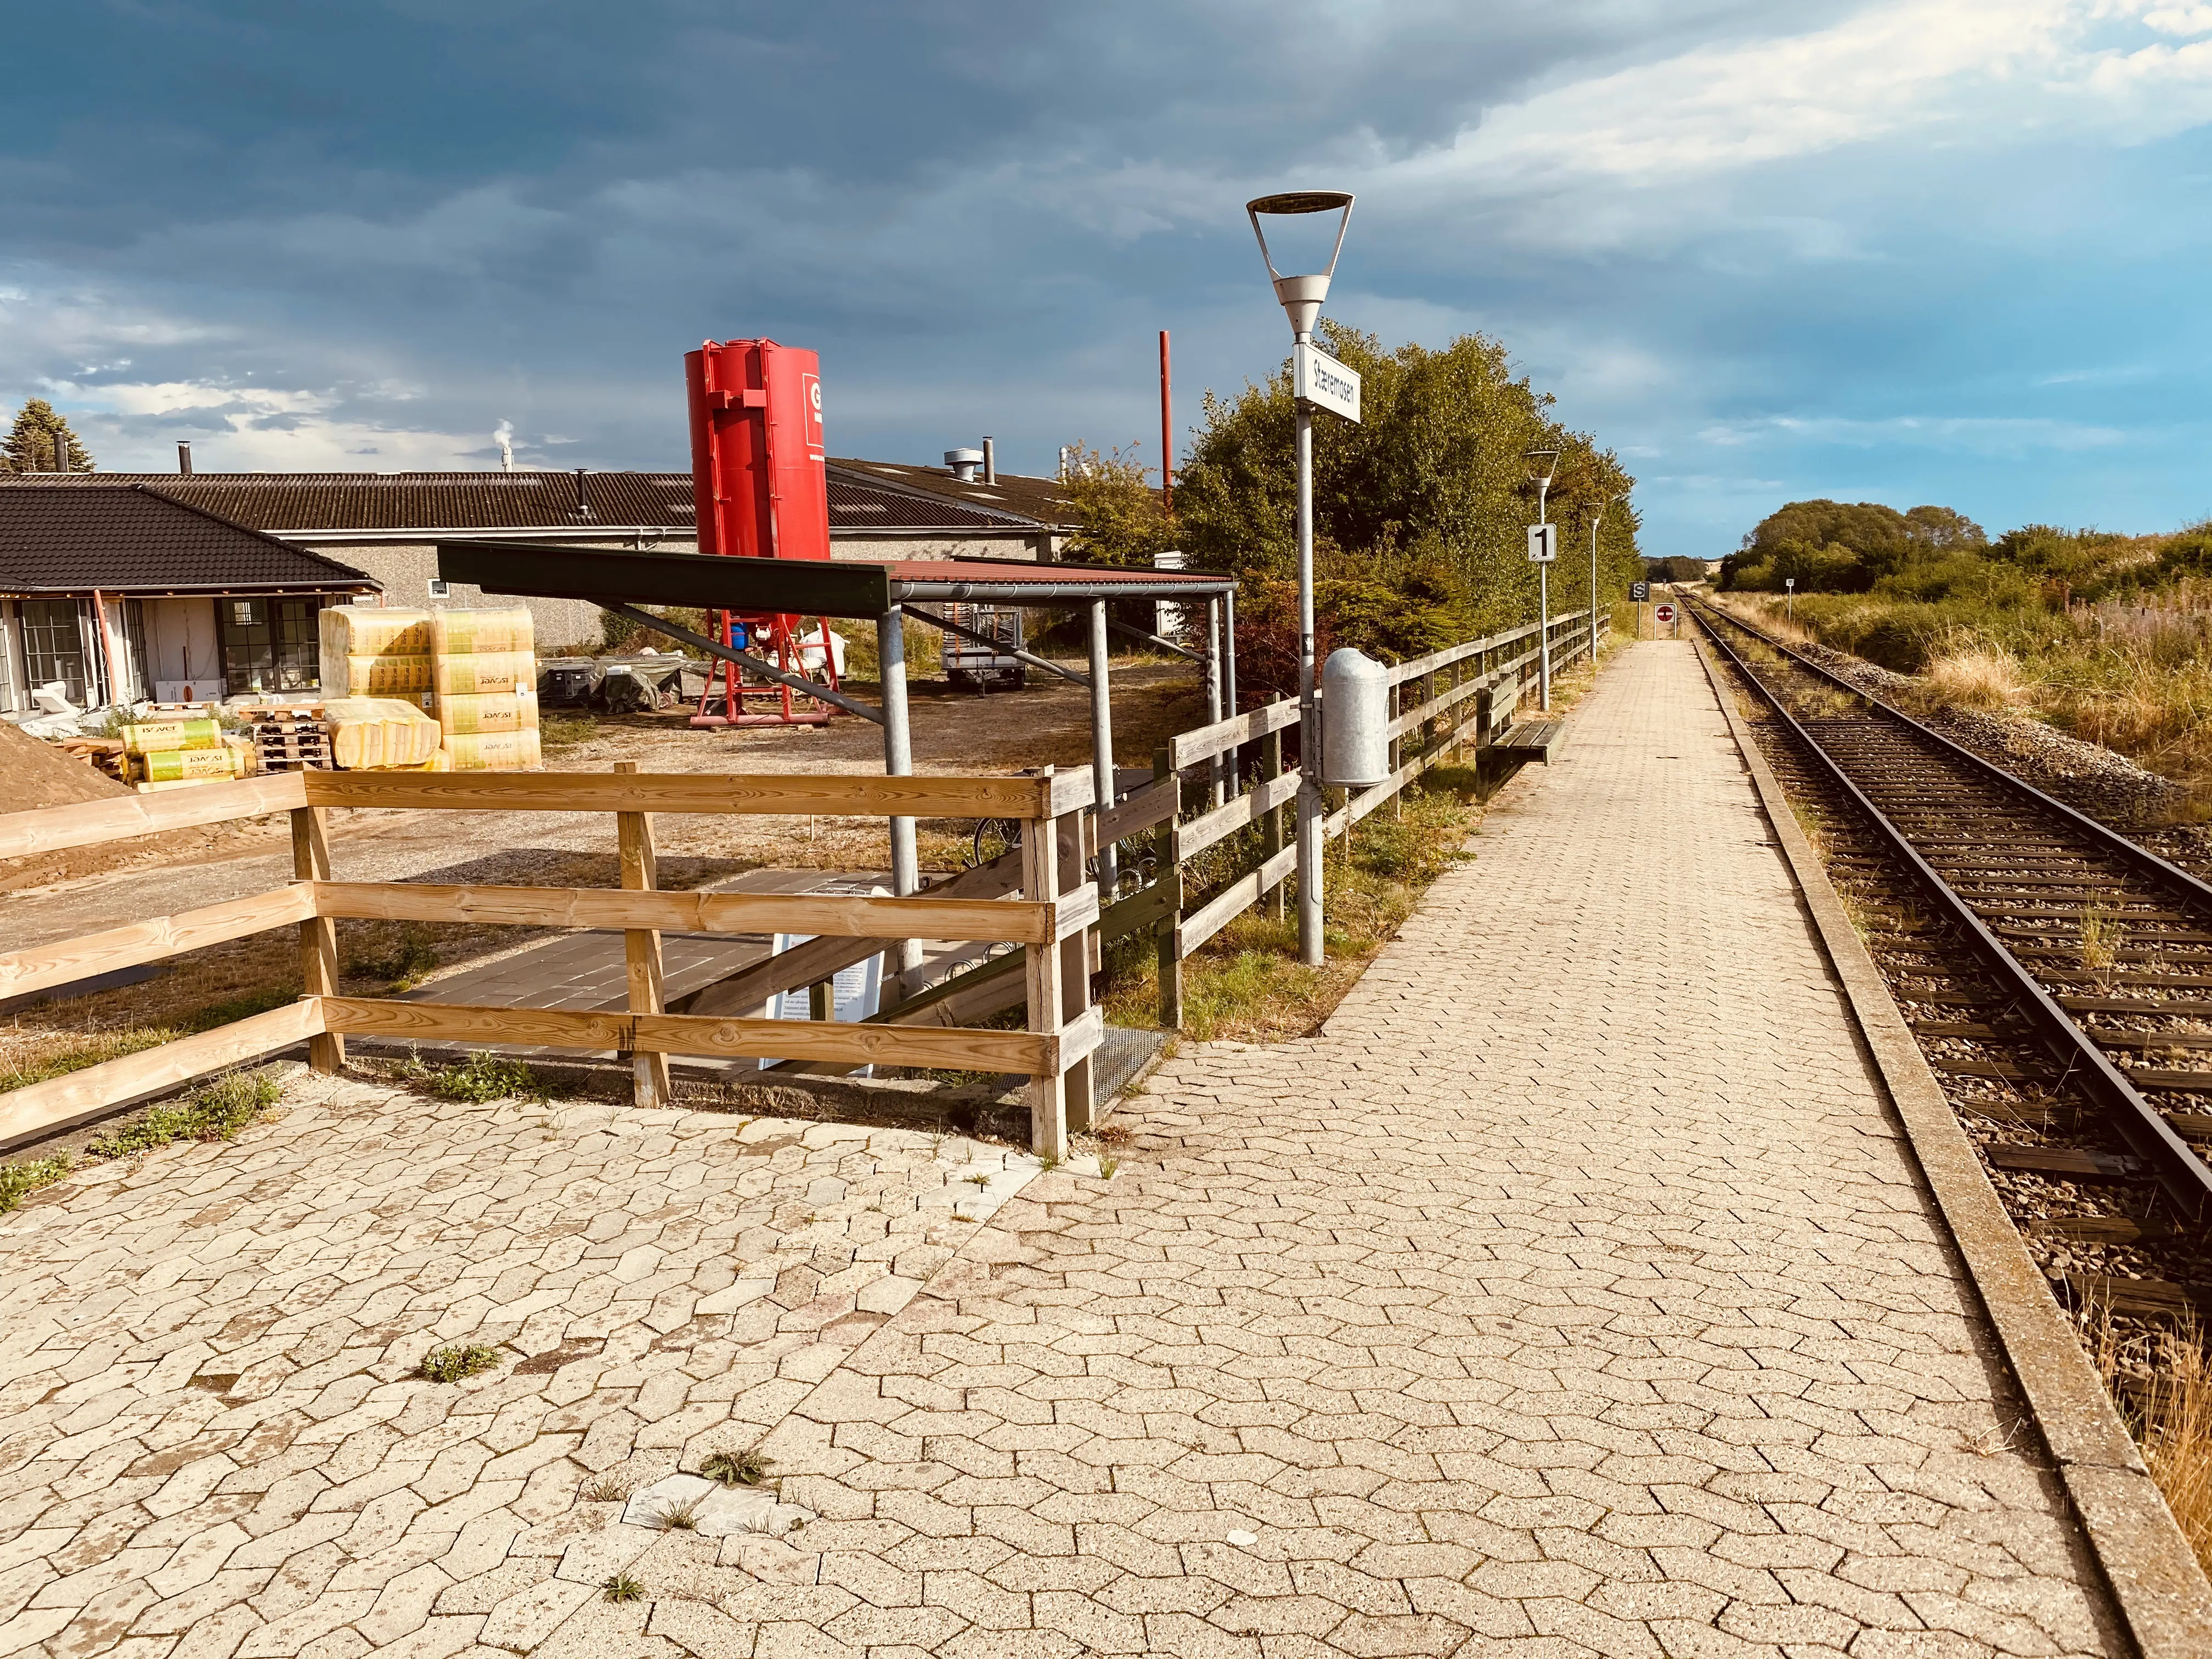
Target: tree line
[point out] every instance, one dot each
(1420, 511)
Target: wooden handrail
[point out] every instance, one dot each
(780, 794)
(88, 824)
(61, 1101)
(855, 916)
(843, 1042)
(45, 966)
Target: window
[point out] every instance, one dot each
(268, 645)
(54, 646)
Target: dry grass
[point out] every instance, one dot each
(2102, 936)
(2162, 1383)
(1977, 676)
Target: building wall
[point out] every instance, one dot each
(407, 570)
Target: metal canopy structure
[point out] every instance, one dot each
(884, 594)
(809, 587)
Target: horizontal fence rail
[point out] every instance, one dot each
(1029, 926)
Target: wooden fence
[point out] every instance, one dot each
(1048, 922)
(1034, 915)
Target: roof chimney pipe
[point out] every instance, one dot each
(990, 459)
(583, 502)
(184, 456)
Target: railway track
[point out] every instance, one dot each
(2057, 976)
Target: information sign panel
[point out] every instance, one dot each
(1543, 544)
(1318, 378)
(1639, 592)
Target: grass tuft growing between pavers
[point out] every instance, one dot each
(480, 1077)
(457, 1362)
(216, 1110)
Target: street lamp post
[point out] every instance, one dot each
(1301, 298)
(1542, 549)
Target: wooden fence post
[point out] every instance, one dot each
(1167, 942)
(642, 949)
(1041, 886)
(319, 935)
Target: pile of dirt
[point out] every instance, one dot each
(40, 773)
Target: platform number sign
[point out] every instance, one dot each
(1543, 544)
(1639, 592)
(1663, 613)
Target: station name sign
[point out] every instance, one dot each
(1318, 378)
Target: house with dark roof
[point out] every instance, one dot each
(114, 592)
(388, 524)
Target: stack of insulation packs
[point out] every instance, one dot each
(175, 754)
(451, 690)
(484, 675)
(376, 690)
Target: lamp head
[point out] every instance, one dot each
(1550, 457)
(1301, 296)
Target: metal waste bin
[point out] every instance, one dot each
(1355, 721)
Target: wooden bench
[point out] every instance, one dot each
(1530, 740)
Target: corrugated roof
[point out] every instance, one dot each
(1044, 500)
(127, 538)
(382, 503)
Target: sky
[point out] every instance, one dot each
(1905, 251)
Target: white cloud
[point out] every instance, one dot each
(1948, 72)
(1976, 434)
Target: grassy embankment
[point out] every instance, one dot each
(2107, 637)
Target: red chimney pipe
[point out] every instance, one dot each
(1167, 430)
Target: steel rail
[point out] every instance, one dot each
(2180, 1173)
(2186, 885)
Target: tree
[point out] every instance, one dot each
(1429, 496)
(1122, 521)
(31, 445)
(1842, 548)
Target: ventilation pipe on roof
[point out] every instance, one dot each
(583, 502)
(963, 464)
(990, 459)
(184, 456)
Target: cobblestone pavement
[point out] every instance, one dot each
(212, 1438)
(1571, 1293)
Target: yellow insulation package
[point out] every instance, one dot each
(493, 751)
(356, 636)
(368, 733)
(482, 671)
(154, 737)
(386, 676)
(177, 765)
(472, 712)
(483, 633)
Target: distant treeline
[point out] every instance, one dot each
(1935, 553)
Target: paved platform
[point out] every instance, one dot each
(1571, 1293)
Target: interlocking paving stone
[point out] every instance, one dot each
(1571, 1293)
